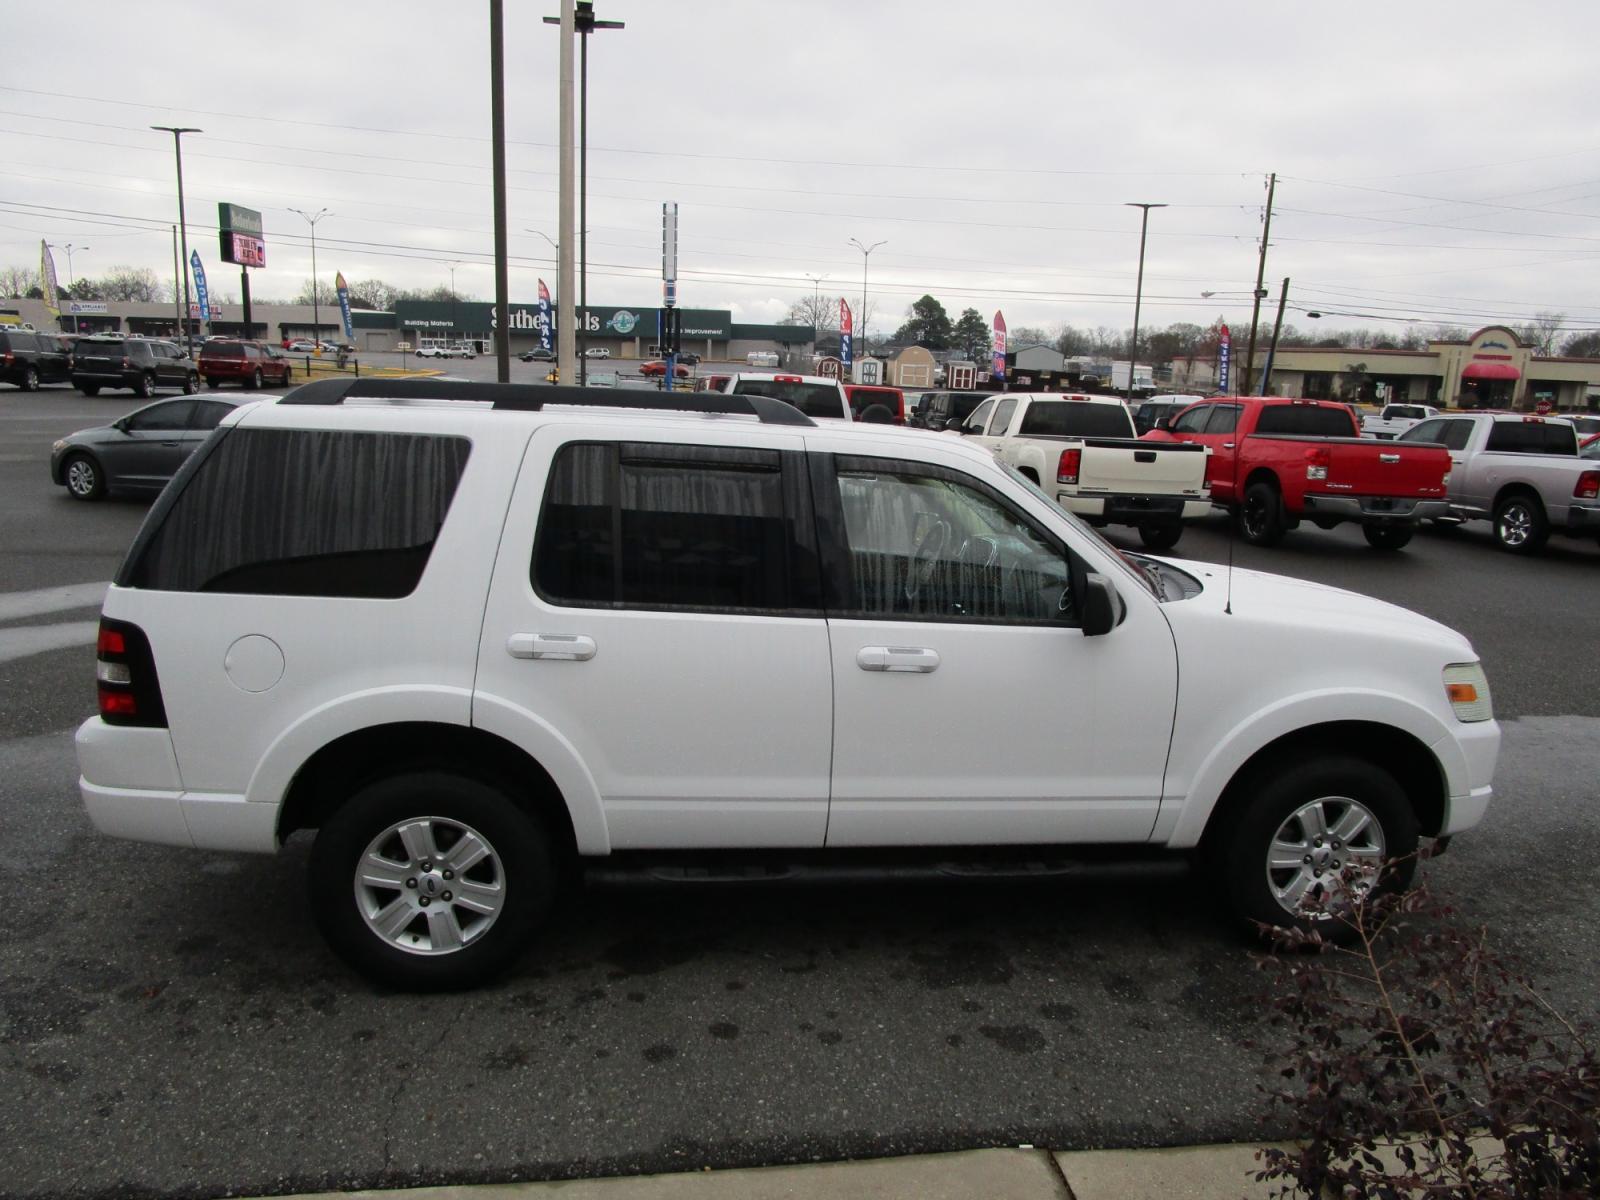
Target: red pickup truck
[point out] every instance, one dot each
(1276, 461)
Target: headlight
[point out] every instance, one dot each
(1467, 689)
(59, 446)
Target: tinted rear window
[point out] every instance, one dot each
(1306, 420)
(20, 340)
(98, 347)
(298, 513)
(863, 398)
(813, 399)
(222, 350)
(1533, 437)
(1075, 418)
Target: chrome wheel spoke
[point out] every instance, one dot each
(444, 931)
(1354, 821)
(392, 919)
(1286, 856)
(466, 854)
(1293, 892)
(1313, 820)
(377, 871)
(417, 838)
(1368, 855)
(482, 898)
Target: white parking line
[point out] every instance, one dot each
(21, 641)
(65, 598)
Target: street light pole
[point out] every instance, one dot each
(69, 248)
(1261, 292)
(584, 23)
(866, 253)
(316, 287)
(455, 333)
(177, 132)
(1138, 294)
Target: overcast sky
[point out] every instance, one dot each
(1436, 161)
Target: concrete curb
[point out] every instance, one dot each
(1200, 1172)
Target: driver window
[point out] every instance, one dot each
(980, 415)
(1002, 417)
(1224, 418)
(1192, 419)
(925, 545)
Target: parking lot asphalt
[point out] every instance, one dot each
(171, 1024)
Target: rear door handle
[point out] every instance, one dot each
(1389, 458)
(1227, 445)
(559, 646)
(919, 659)
(169, 443)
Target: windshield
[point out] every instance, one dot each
(1075, 418)
(813, 399)
(1125, 562)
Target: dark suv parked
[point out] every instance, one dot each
(251, 363)
(139, 364)
(28, 359)
(948, 410)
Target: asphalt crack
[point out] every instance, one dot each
(405, 1081)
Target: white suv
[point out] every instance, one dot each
(474, 634)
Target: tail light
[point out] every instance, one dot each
(125, 675)
(126, 362)
(1067, 469)
(1588, 486)
(8, 358)
(1317, 462)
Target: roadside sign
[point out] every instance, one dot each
(402, 345)
(1542, 407)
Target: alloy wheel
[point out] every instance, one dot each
(429, 885)
(1322, 848)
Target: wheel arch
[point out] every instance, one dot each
(59, 471)
(343, 765)
(1398, 752)
(1262, 475)
(1517, 488)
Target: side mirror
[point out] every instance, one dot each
(120, 424)
(1100, 605)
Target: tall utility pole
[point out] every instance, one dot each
(816, 295)
(1138, 294)
(866, 253)
(1277, 328)
(316, 284)
(177, 132)
(69, 248)
(1261, 272)
(177, 273)
(455, 325)
(497, 119)
(568, 317)
(585, 23)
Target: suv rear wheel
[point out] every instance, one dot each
(1520, 525)
(431, 880)
(191, 384)
(30, 380)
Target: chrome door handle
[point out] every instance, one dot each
(1388, 458)
(1227, 445)
(559, 646)
(897, 658)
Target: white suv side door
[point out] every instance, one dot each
(646, 610)
(968, 707)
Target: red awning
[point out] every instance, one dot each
(1490, 370)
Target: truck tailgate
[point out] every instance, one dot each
(1367, 467)
(1124, 466)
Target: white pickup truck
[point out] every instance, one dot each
(1083, 452)
(1396, 419)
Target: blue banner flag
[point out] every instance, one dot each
(200, 294)
(344, 306)
(544, 317)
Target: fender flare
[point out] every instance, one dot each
(547, 746)
(1291, 714)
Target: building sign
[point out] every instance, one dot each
(623, 321)
(86, 308)
(479, 315)
(240, 238)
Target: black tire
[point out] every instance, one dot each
(30, 380)
(89, 389)
(524, 859)
(1160, 537)
(1520, 525)
(213, 382)
(1261, 521)
(1275, 793)
(83, 477)
(1387, 537)
(145, 387)
(191, 384)
(878, 414)
(254, 382)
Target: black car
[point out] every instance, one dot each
(29, 359)
(948, 410)
(538, 354)
(139, 452)
(140, 364)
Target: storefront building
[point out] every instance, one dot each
(1491, 369)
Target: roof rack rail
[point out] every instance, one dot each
(526, 397)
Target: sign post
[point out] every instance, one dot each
(243, 245)
(669, 325)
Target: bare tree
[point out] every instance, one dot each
(1541, 332)
(324, 293)
(1071, 342)
(138, 284)
(15, 281)
(373, 294)
(1583, 345)
(818, 311)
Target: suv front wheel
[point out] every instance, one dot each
(145, 386)
(431, 880)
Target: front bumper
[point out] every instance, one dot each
(1375, 508)
(1468, 754)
